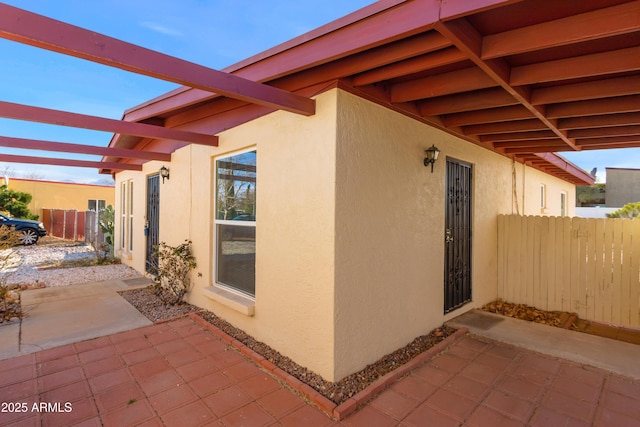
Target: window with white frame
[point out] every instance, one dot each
(126, 215)
(96, 205)
(123, 215)
(235, 221)
(563, 204)
(543, 196)
(130, 208)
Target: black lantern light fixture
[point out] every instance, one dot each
(432, 155)
(164, 173)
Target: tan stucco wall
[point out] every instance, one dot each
(350, 228)
(61, 195)
(528, 193)
(294, 227)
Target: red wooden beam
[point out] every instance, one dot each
(424, 62)
(623, 104)
(46, 33)
(504, 127)
(605, 120)
(10, 158)
(33, 144)
(63, 118)
(629, 85)
(604, 132)
(442, 84)
(477, 100)
(612, 21)
(502, 114)
(520, 136)
(596, 64)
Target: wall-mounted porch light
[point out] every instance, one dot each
(164, 173)
(432, 155)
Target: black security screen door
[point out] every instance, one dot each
(457, 273)
(153, 220)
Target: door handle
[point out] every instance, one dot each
(448, 238)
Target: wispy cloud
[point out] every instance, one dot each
(161, 29)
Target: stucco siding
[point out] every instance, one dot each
(349, 227)
(61, 195)
(390, 228)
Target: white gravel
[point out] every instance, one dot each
(25, 260)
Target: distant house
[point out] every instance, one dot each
(623, 186)
(63, 195)
(328, 235)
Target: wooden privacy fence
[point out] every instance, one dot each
(73, 225)
(64, 223)
(584, 265)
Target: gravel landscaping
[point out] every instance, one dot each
(29, 265)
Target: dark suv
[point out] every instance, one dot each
(31, 230)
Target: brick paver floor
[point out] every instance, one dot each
(179, 374)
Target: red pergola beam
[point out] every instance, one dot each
(63, 118)
(10, 158)
(612, 21)
(46, 33)
(33, 144)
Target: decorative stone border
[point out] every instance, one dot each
(338, 412)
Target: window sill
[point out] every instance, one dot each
(124, 254)
(232, 300)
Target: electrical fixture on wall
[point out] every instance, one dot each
(164, 173)
(432, 155)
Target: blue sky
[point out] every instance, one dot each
(213, 33)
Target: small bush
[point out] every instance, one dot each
(172, 273)
(630, 210)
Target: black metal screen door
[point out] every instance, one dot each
(153, 220)
(457, 273)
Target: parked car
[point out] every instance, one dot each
(30, 230)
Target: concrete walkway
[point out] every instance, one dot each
(58, 316)
(617, 356)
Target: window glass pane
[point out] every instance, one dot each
(101, 205)
(236, 187)
(92, 205)
(236, 250)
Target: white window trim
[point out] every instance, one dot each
(220, 292)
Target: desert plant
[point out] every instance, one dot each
(107, 225)
(172, 272)
(9, 295)
(630, 210)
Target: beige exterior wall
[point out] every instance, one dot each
(528, 193)
(349, 231)
(294, 227)
(61, 195)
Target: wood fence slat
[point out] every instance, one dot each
(634, 297)
(625, 270)
(590, 268)
(616, 272)
(598, 284)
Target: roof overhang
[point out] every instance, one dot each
(526, 79)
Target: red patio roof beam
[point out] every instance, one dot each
(10, 158)
(62, 118)
(46, 33)
(33, 144)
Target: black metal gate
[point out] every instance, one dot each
(151, 227)
(457, 273)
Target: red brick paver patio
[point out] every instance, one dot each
(179, 374)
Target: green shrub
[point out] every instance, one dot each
(173, 271)
(630, 210)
